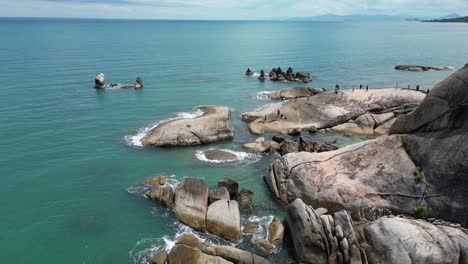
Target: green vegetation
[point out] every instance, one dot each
(422, 212)
(418, 175)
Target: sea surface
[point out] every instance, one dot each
(70, 173)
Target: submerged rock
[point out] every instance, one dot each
(214, 125)
(220, 155)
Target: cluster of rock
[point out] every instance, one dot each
(277, 74)
(214, 125)
(335, 238)
(294, 92)
(279, 146)
(100, 83)
(362, 112)
(215, 211)
(190, 249)
(423, 68)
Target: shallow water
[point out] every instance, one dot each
(66, 164)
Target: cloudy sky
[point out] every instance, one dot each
(226, 9)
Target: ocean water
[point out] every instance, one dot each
(69, 179)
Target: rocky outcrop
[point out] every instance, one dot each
(328, 110)
(210, 253)
(223, 219)
(377, 173)
(231, 185)
(163, 194)
(277, 74)
(423, 68)
(436, 136)
(138, 83)
(99, 81)
(293, 92)
(337, 239)
(219, 155)
(157, 180)
(214, 125)
(217, 194)
(191, 203)
(275, 232)
(246, 199)
(249, 72)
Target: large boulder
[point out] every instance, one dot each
(376, 173)
(293, 92)
(99, 81)
(436, 134)
(231, 185)
(191, 203)
(214, 125)
(275, 232)
(223, 219)
(181, 254)
(219, 193)
(232, 254)
(327, 110)
(163, 194)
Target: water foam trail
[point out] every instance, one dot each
(264, 95)
(135, 140)
(242, 157)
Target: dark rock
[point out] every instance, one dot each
(289, 146)
(249, 72)
(164, 194)
(219, 193)
(245, 198)
(231, 185)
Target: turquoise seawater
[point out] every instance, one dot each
(68, 177)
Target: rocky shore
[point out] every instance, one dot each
(372, 202)
(423, 68)
(277, 74)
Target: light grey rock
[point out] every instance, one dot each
(191, 203)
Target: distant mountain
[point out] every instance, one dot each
(448, 20)
(338, 18)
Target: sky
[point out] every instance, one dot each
(226, 9)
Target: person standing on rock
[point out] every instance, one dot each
(417, 87)
(396, 87)
(367, 88)
(295, 99)
(360, 87)
(278, 113)
(337, 87)
(353, 88)
(427, 91)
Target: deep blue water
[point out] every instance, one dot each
(65, 165)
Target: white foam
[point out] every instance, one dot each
(241, 156)
(264, 94)
(135, 140)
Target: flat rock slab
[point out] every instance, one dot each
(220, 155)
(214, 125)
(327, 109)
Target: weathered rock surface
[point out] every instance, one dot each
(328, 110)
(275, 232)
(163, 194)
(191, 203)
(250, 228)
(336, 239)
(231, 254)
(231, 185)
(293, 92)
(423, 68)
(214, 125)
(259, 146)
(436, 141)
(245, 198)
(376, 173)
(157, 180)
(219, 193)
(223, 219)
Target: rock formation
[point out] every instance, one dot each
(293, 92)
(99, 81)
(138, 83)
(249, 72)
(191, 203)
(359, 111)
(337, 239)
(423, 68)
(214, 125)
(280, 146)
(190, 249)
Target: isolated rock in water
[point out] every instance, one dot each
(437, 135)
(219, 193)
(327, 109)
(99, 81)
(248, 72)
(399, 240)
(160, 257)
(275, 232)
(220, 155)
(375, 173)
(293, 92)
(191, 203)
(423, 68)
(250, 228)
(231, 185)
(259, 146)
(262, 76)
(138, 83)
(303, 76)
(181, 254)
(245, 199)
(234, 255)
(157, 180)
(223, 219)
(214, 125)
(164, 194)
